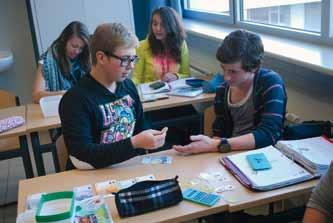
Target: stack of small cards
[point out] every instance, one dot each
(113, 186)
(83, 192)
(157, 160)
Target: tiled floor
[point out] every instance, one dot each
(11, 171)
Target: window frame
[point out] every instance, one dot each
(236, 9)
(209, 16)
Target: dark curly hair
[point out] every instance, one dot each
(242, 46)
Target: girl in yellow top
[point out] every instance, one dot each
(164, 54)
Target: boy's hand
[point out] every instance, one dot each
(149, 139)
(200, 144)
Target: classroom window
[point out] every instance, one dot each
(309, 20)
(214, 6)
(213, 10)
(295, 14)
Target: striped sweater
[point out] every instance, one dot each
(269, 99)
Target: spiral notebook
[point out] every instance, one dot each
(283, 171)
(315, 153)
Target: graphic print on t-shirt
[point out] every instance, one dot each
(118, 118)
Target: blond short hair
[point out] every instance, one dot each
(111, 36)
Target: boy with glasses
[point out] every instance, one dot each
(102, 117)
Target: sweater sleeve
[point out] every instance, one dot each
(274, 100)
(184, 69)
(322, 196)
(77, 121)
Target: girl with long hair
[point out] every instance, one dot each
(64, 63)
(164, 54)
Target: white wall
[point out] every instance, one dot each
(15, 35)
(48, 23)
(310, 94)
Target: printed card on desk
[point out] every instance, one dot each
(106, 187)
(112, 186)
(92, 210)
(144, 178)
(83, 192)
(157, 160)
(125, 183)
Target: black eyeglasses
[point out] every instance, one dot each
(124, 61)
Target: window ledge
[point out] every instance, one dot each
(313, 56)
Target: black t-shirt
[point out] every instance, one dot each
(97, 124)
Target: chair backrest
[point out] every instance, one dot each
(62, 153)
(209, 119)
(7, 99)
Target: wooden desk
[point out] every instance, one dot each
(19, 132)
(242, 198)
(174, 101)
(185, 167)
(36, 122)
(13, 111)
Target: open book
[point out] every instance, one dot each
(177, 87)
(314, 153)
(283, 171)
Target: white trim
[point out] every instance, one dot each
(324, 37)
(210, 16)
(325, 12)
(272, 3)
(329, 6)
(313, 56)
(37, 31)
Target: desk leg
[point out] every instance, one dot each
(26, 157)
(271, 208)
(37, 153)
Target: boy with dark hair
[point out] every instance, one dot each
(249, 106)
(102, 117)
